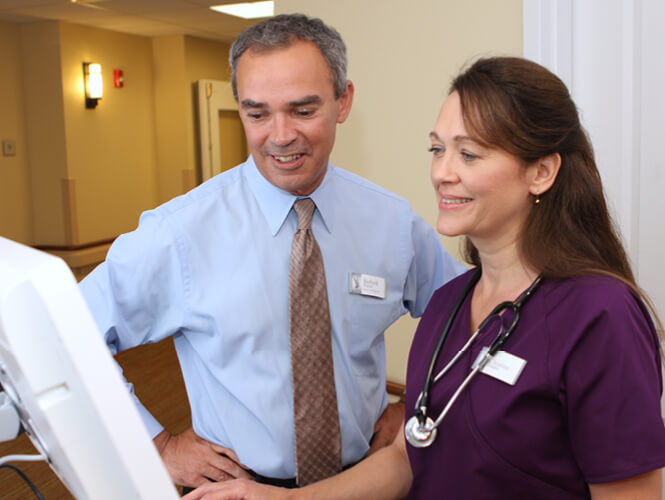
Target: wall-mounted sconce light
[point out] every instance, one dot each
(92, 81)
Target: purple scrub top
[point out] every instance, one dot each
(586, 408)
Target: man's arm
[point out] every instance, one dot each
(127, 315)
(388, 426)
(193, 461)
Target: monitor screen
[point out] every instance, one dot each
(66, 387)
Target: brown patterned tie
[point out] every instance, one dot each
(318, 437)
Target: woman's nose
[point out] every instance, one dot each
(443, 169)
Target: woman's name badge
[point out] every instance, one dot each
(503, 366)
(364, 284)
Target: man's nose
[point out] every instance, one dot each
(283, 130)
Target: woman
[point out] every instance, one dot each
(570, 407)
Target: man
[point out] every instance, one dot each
(211, 268)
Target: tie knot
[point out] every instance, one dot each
(304, 209)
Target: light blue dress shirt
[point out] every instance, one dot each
(211, 269)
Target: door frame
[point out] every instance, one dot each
(213, 96)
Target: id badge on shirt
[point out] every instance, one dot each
(503, 366)
(365, 284)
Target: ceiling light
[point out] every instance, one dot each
(247, 10)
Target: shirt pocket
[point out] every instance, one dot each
(369, 319)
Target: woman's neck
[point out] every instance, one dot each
(504, 277)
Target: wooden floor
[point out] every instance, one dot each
(155, 373)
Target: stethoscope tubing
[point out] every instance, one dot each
(427, 427)
(423, 399)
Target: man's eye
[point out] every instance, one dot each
(304, 112)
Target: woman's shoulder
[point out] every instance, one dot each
(453, 287)
(590, 291)
(594, 302)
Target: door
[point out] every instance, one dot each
(221, 136)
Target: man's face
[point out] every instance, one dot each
(288, 108)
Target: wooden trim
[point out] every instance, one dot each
(70, 248)
(395, 389)
(82, 257)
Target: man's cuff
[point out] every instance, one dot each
(151, 424)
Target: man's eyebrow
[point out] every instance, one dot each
(249, 103)
(310, 99)
(304, 101)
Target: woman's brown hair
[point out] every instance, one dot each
(520, 107)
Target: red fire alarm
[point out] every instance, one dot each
(118, 78)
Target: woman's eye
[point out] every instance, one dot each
(466, 156)
(435, 150)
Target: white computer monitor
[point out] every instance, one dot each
(69, 393)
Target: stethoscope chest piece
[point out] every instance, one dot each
(418, 435)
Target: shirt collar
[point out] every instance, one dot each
(275, 203)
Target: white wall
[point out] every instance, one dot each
(609, 53)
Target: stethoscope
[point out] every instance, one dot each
(420, 430)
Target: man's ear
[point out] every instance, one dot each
(344, 102)
(544, 173)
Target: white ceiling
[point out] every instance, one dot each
(138, 17)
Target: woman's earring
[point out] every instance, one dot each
(537, 199)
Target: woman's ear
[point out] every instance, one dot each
(544, 173)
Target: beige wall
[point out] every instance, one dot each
(45, 127)
(402, 56)
(205, 60)
(82, 176)
(91, 171)
(179, 63)
(171, 114)
(15, 211)
(111, 149)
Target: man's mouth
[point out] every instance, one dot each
(287, 158)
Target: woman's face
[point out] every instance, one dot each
(481, 192)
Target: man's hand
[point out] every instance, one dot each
(239, 490)
(387, 426)
(192, 461)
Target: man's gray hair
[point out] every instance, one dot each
(280, 32)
